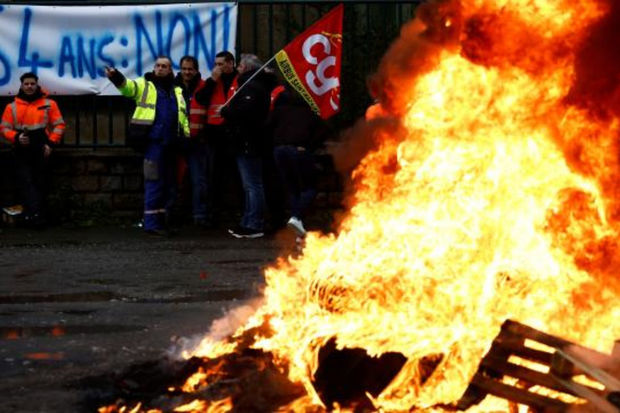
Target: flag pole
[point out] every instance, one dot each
(249, 79)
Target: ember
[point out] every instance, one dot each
(489, 192)
(248, 380)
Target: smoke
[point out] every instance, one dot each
(436, 27)
(597, 66)
(496, 38)
(596, 90)
(220, 329)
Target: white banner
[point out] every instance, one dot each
(69, 46)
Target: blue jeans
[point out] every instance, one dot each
(251, 172)
(298, 173)
(196, 155)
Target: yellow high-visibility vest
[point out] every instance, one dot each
(143, 92)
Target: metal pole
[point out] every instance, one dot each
(248, 81)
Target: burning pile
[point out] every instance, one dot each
(490, 191)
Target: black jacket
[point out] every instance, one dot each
(187, 91)
(246, 114)
(203, 95)
(292, 122)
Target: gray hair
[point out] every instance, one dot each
(250, 61)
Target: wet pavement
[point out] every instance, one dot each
(76, 303)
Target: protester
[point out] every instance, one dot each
(194, 151)
(275, 193)
(296, 133)
(217, 89)
(245, 117)
(32, 123)
(157, 125)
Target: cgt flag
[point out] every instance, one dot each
(311, 63)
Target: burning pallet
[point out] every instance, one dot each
(562, 364)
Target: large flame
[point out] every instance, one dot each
(490, 193)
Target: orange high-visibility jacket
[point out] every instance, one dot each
(218, 99)
(197, 113)
(21, 115)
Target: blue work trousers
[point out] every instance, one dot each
(160, 187)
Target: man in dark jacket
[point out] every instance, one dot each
(245, 117)
(296, 132)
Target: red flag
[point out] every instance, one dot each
(311, 63)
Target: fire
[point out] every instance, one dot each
(201, 377)
(491, 192)
(199, 406)
(123, 409)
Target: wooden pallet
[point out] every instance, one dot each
(561, 364)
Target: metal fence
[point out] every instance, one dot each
(263, 28)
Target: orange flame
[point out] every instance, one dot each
(494, 196)
(200, 406)
(202, 377)
(45, 356)
(124, 409)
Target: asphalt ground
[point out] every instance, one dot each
(81, 302)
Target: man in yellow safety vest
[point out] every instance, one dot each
(157, 125)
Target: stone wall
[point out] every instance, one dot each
(85, 184)
(104, 185)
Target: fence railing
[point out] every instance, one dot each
(263, 28)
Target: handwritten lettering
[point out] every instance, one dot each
(192, 33)
(44, 43)
(107, 60)
(34, 62)
(143, 33)
(6, 64)
(66, 56)
(178, 18)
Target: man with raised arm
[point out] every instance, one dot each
(157, 125)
